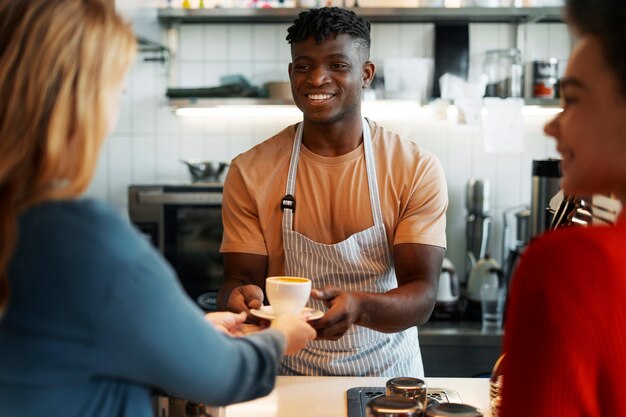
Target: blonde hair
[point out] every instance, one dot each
(59, 62)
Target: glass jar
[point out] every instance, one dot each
(502, 70)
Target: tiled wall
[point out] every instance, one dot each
(150, 140)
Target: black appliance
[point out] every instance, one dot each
(185, 223)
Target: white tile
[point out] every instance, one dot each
(169, 168)
(455, 236)
(507, 35)
(264, 47)
(191, 147)
(240, 43)
(559, 41)
(217, 148)
(99, 186)
(537, 42)
(385, 41)
(508, 167)
(240, 68)
(508, 193)
(145, 98)
(191, 126)
(483, 37)
(190, 74)
(120, 172)
(459, 166)
(416, 40)
(144, 159)
(212, 72)
(216, 43)
(264, 72)
(124, 121)
(190, 43)
(283, 48)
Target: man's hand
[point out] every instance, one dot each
(244, 298)
(343, 311)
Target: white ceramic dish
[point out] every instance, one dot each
(266, 312)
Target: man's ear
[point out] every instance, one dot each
(289, 70)
(369, 70)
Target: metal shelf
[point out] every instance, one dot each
(376, 15)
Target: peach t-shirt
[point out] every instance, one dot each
(332, 195)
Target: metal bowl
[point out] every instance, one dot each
(205, 171)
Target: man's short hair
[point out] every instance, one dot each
(326, 21)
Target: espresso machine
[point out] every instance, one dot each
(478, 222)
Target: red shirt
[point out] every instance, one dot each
(565, 336)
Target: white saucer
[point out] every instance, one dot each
(266, 312)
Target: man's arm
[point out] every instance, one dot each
(244, 280)
(417, 270)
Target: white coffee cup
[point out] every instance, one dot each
(287, 295)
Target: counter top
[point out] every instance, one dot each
(304, 396)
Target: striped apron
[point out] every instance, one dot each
(362, 262)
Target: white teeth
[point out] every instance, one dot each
(319, 96)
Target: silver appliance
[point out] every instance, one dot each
(185, 223)
(546, 183)
(515, 237)
(477, 222)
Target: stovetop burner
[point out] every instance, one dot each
(358, 397)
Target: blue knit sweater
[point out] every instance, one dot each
(97, 318)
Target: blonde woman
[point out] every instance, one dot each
(92, 316)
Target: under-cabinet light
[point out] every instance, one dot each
(373, 109)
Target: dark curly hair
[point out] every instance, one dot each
(321, 23)
(605, 19)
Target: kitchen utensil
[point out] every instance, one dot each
(492, 297)
(546, 178)
(267, 313)
(478, 221)
(359, 397)
(279, 90)
(448, 288)
(394, 407)
(287, 295)
(486, 271)
(205, 171)
(408, 387)
(447, 306)
(515, 237)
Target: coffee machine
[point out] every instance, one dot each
(515, 237)
(478, 222)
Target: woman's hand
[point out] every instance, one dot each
(232, 324)
(296, 330)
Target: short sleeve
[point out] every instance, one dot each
(424, 219)
(240, 215)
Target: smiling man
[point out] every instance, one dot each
(344, 202)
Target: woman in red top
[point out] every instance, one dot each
(566, 330)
